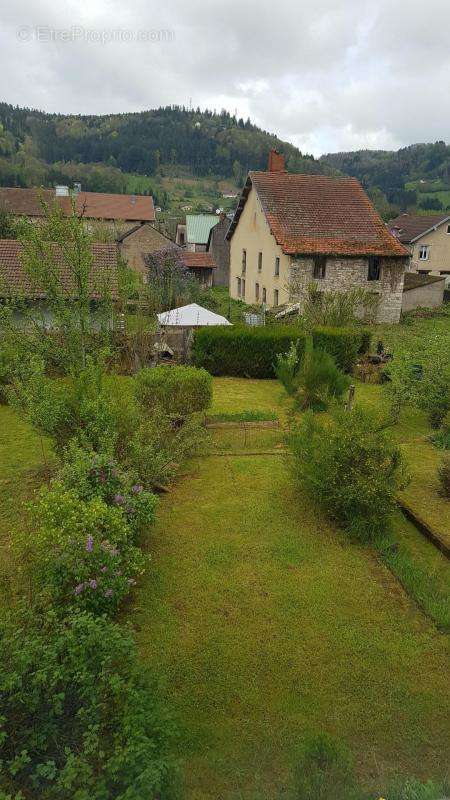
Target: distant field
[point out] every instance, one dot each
(443, 196)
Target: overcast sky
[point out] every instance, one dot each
(327, 75)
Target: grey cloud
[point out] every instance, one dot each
(325, 75)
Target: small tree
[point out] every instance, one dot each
(58, 262)
(169, 281)
(319, 379)
(351, 468)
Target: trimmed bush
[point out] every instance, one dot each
(343, 344)
(177, 391)
(243, 351)
(253, 352)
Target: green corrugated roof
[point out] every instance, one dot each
(198, 227)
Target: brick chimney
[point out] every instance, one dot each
(276, 161)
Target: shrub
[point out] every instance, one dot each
(324, 771)
(350, 467)
(343, 344)
(157, 448)
(177, 391)
(319, 379)
(444, 476)
(92, 475)
(243, 351)
(80, 554)
(286, 369)
(79, 713)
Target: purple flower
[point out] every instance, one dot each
(79, 588)
(118, 499)
(137, 488)
(109, 593)
(93, 583)
(104, 568)
(89, 544)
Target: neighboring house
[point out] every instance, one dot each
(138, 242)
(15, 283)
(200, 265)
(219, 247)
(115, 212)
(422, 291)
(193, 235)
(428, 239)
(290, 231)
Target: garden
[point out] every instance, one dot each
(208, 587)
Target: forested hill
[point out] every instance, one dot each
(141, 143)
(418, 175)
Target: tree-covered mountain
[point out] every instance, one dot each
(414, 176)
(36, 147)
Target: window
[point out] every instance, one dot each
(256, 292)
(264, 295)
(320, 263)
(448, 228)
(238, 287)
(244, 261)
(242, 288)
(277, 267)
(275, 297)
(374, 270)
(424, 252)
(259, 262)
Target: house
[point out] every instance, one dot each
(114, 212)
(292, 230)
(422, 291)
(193, 234)
(219, 247)
(428, 239)
(200, 265)
(138, 242)
(15, 283)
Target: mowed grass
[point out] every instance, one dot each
(266, 624)
(25, 460)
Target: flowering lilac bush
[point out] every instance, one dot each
(81, 553)
(92, 474)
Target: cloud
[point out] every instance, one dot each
(327, 76)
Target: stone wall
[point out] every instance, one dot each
(219, 247)
(344, 274)
(140, 243)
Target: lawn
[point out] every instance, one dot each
(265, 624)
(25, 459)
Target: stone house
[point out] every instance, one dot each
(105, 214)
(138, 242)
(428, 239)
(219, 247)
(290, 231)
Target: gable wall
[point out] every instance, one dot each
(138, 244)
(439, 254)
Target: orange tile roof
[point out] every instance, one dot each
(93, 205)
(310, 214)
(200, 260)
(14, 281)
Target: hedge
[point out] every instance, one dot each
(344, 344)
(178, 391)
(251, 352)
(243, 351)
